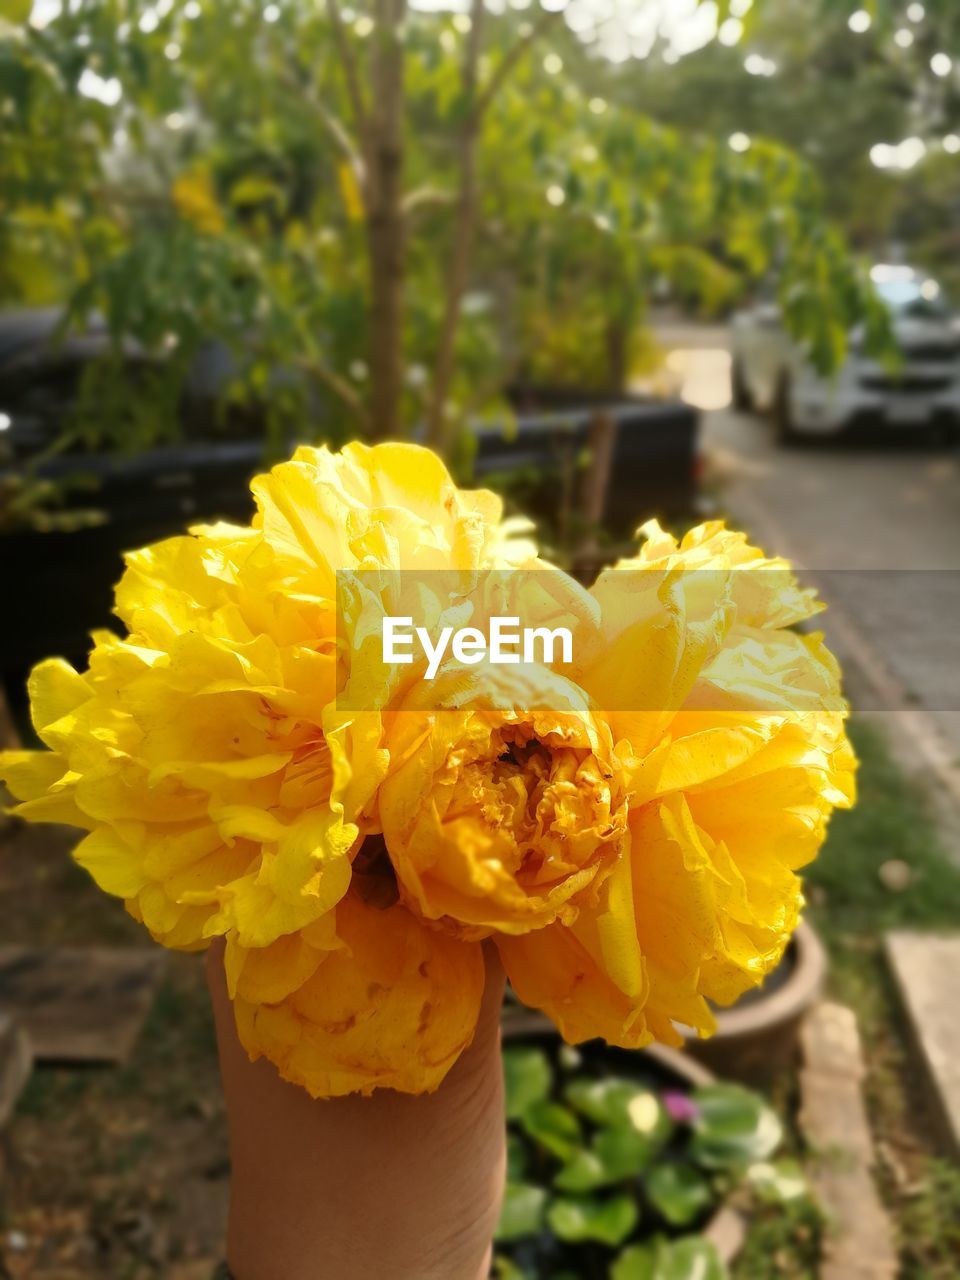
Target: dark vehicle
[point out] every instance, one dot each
(59, 582)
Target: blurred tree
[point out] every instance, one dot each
(613, 209)
(840, 91)
(361, 205)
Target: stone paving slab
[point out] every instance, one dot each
(79, 1004)
(16, 1063)
(859, 1240)
(926, 969)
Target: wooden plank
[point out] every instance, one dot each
(79, 1004)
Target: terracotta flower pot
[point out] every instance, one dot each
(758, 1036)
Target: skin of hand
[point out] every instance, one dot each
(390, 1187)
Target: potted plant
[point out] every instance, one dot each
(758, 1036)
(622, 1164)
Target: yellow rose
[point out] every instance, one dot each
(504, 807)
(627, 826)
(390, 1003)
(222, 789)
(731, 734)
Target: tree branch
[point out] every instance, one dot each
(350, 70)
(425, 198)
(340, 388)
(511, 58)
(331, 122)
(438, 426)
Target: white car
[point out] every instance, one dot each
(771, 373)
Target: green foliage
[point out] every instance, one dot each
(853, 909)
(603, 1101)
(608, 1222)
(193, 177)
(27, 501)
(789, 1232)
(516, 1158)
(891, 820)
(778, 1183)
(612, 1168)
(734, 1127)
(689, 1259)
(679, 1192)
(553, 1127)
(834, 96)
(618, 208)
(522, 1212)
(615, 1154)
(526, 1075)
(930, 1227)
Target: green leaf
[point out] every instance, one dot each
(605, 1102)
(678, 1192)
(623, 1152)
(636, 1263)
(688, 1259)
(691, 1258)
(606, 1221)
(517, 1157)
(778, 1183)
(253, 189)
(648, 1116)
(15, 11)
(526, 1077)
(615, 1155)
(734, 1127)
(522, 1212)
(506, 1269)
(584, 1172)
(554, 1127)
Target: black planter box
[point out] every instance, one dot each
(654, 468)
(58, 586)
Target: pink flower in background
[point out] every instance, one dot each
(680, 1107)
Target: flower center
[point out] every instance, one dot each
(545, 805)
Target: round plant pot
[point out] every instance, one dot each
(675, 1070)
(759, 1036)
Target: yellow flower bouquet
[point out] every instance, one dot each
(623, 819)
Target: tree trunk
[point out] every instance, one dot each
(439, 424)
(386, 232)
(595, 484)
(618, 347)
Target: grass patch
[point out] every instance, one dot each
(852, 909)
(783, 1241)
(931, 1224)
(892, 819)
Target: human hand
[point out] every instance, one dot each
(390, 1187)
